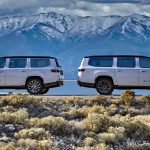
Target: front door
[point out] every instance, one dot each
(126, 71)
(2, 71)
(17, 72)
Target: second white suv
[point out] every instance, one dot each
(109, 72)
(36, 74)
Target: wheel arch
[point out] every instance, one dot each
(32, 77)
(104, 76)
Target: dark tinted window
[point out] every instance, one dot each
(101, 61)
(2, 62)
(40, 62)
(145, 62)
(127, 62)
(17, 63)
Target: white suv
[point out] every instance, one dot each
(36, 74)
(109, 72)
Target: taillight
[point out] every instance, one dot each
(61, 72)
(55, 70)
(81, 70)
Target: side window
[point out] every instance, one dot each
(101, 61)
(127, 62)
(40, 62)
(2, 62)
(17, 62)
(144, 62)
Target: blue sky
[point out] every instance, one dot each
(76, 7)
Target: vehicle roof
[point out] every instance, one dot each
(116, 56)
(28, 57)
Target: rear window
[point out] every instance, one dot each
(127, 62)
(2, 62)
(145, 62)
(40, 62)
(101, 61)
(17, 62)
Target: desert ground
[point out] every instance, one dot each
(75, 122)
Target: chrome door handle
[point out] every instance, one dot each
(118, 70)
(22, 71)
(143, 70)
(1, 71)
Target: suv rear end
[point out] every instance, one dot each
(48, 70)
(97, 72)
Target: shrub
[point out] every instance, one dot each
(108, 138)
(97, 147)
(113, 135)
(77, 101)
(119, 120)
(112, 109)
(20, 100)
(146, 99)
(137, 130)
(96, 122)
(33, 133)
(97, 100)
(14, 117)
(97, 109)
(55, 124)
(74, 127)
(83, 112)
(145, 146)
(28, 144)
(5, 146)
(128, 97)
(143, 119)
(89, 141)
(76, 113)
(34, 144)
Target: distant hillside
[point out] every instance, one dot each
(72, 37)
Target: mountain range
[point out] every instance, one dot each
(70, 37)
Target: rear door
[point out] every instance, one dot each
(16, 72)
(126, 71)
(2, 71)
(42, 67)
(144, 71)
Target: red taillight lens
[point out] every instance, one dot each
(81, 70)
(55, 70)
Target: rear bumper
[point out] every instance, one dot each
(84, 84)
(54, 84)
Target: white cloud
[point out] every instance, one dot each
(76, 7)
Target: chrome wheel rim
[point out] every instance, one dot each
(34, 86)
(104, 86)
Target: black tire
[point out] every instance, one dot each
(104, 86)
(45, 91)
(34, 86)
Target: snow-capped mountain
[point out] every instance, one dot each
(72, 37)
(61, 27)
(57, 26)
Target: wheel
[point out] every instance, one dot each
(45, 91)
(104, 86)
(34, 86)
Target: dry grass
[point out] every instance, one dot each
(19, 100)
(128, 97)
(96, 122)
(18, 116)
(33, 133)
(81, 123)
(29, 144)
